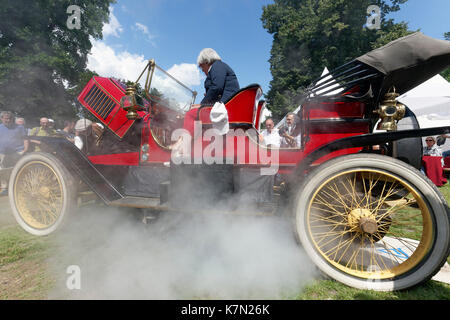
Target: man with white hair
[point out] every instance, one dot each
(221, 82)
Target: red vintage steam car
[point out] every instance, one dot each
(360, 207)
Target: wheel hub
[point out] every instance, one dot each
(368, 225)
(362, 220)
(45, 192)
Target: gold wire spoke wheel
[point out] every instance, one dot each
(357, 228)
(372, 222)
(39, 195)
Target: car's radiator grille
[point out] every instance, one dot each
(101, 97)
(100, 102)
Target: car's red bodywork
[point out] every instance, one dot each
(328, 121)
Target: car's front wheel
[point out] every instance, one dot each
(42, 193)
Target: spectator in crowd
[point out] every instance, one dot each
(82, 127)
(20, 121)
(68, 131)
(12, 136)
(290, 133)
(42, 131)
(270, 136)
(87, 134)
(13, 142)
(431, 149)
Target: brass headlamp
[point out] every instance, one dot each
(390, 110)
(129, 103)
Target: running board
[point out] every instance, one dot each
(266, 209)
(139, 202)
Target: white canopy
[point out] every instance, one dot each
(430, 97)
(430, 102)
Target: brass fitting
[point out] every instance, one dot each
(129, 104)
(389, 111)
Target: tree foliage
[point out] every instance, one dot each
(309, 35)
(42, 61)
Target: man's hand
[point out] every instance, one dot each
(290, 140)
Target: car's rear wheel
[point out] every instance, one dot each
(42, 193)
(372, 222)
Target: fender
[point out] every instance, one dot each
(409, 150)
(365, 140)
(79, 165)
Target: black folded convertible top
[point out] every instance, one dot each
(409, 61)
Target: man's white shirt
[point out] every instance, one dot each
(273, 138)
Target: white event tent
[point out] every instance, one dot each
(430, 102)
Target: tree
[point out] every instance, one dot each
(42, 60)
(446, 72)
(311, 34)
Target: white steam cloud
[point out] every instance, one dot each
(180, 256)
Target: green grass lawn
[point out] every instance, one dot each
(23, 264)
(330, 289)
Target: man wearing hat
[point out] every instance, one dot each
(81, 130)
(85, 130)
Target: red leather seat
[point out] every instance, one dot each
(242, 108)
